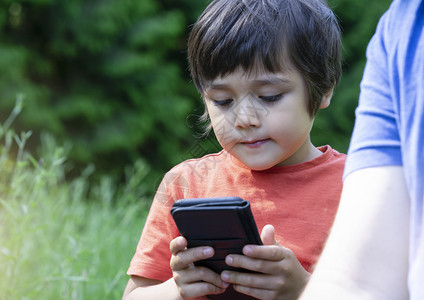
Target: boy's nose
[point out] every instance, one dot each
(246, 114)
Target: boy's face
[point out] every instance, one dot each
(262, 118)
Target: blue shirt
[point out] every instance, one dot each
(389, 128)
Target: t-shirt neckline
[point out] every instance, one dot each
(326, 155)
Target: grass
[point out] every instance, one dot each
(63, 239)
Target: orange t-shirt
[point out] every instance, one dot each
(300, 201)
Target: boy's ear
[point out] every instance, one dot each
(326, 99)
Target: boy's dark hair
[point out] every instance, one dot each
(251, 33)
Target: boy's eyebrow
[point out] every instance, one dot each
(256, 82)
(271, 81)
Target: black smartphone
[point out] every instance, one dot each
(224, 223)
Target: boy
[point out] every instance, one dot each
(264, 68)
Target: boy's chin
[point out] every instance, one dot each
(256, 162)
(258, 165)
(261, 168)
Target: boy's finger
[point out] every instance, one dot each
(201, 274)
(258, 293)
(183, 259)
(254, 264)
(272, 253)
(268, 235)
(259, 281)
(200, 289)
(178, 244)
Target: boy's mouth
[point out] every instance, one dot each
(254, 143)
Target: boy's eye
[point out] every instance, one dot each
(271, 98)
(225, 102)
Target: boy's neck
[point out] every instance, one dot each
(305, 153)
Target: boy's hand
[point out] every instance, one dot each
(281, 275)
(193, 281)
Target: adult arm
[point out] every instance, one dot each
(366, 255)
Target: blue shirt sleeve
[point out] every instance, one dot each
(375, 139)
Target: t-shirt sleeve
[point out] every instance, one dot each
(375, 139)
(152, 256)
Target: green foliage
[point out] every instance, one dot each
(358, 20)
(111, 77)
(105, 74)
(59, 239)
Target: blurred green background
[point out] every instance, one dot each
(106, 106)
(111, 77)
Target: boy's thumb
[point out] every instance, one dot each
(268, 235)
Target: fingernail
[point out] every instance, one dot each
(207, 251)
(225, 276)
(229, 260)
(247, 250)
(225, 284)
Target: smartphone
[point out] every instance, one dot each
(224, 223)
